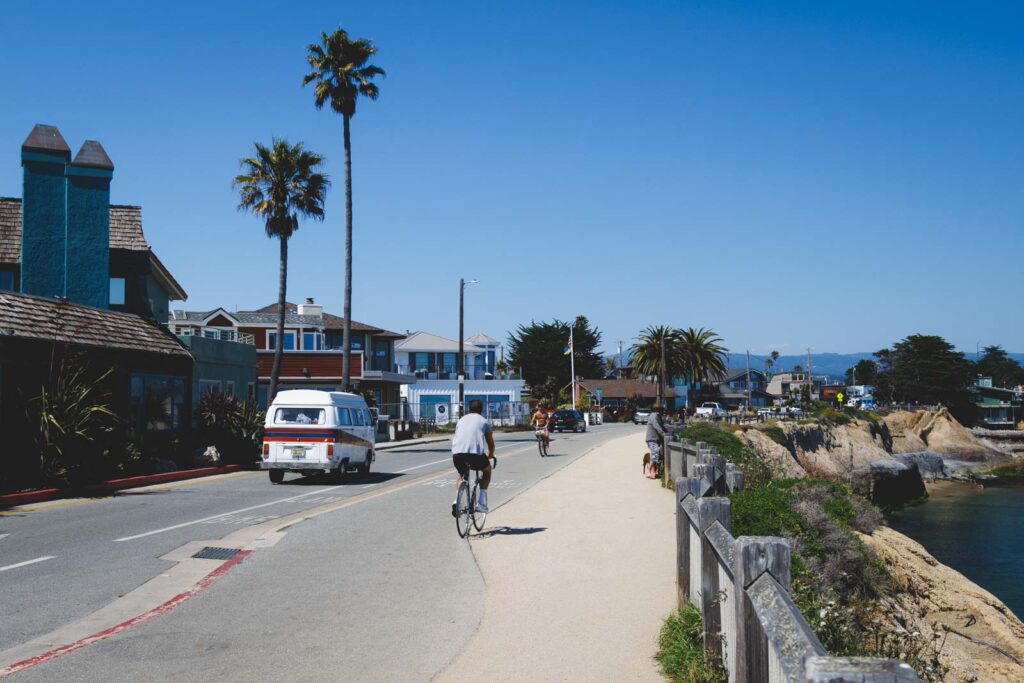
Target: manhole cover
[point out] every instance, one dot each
(210, 553)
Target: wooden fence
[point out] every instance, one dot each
(741, 586)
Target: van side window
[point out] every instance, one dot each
(299, 416)
(359, 417)
(344, 418)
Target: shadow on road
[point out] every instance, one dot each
(349, 480)
(510, 531)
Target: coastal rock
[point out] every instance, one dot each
(929, 597)
(941, 433)
(889, 482)
(929, 464)
(781, 460)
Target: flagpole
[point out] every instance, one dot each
(572, 365)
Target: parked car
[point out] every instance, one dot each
(568, 420)
(311, 431)
(711, 410)
(640, 416)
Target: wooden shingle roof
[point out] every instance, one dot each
(125, 229)
(32, 317)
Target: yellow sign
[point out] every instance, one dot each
(839, 397)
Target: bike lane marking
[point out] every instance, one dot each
(27, 562)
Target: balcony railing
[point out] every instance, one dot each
(448, 372)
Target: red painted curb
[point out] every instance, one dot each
(41, 495)
(159, 609)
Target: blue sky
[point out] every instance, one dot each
(833, 175)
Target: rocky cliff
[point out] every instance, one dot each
(979, 638)
(832, 450)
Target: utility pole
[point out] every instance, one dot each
(810, 376)
(619, 369)
(661, 384)
(748, 379)
(460, 370)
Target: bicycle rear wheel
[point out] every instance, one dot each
(463, 510)
(479, 517)
(540, 446)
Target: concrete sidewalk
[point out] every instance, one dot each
(579, 574)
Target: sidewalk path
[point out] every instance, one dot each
(579, 574)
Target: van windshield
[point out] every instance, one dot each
(299, 416)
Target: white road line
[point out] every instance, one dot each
(426, 464)
(27, 562)
(223, 514)
(3, 536)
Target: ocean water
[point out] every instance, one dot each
(976, 533)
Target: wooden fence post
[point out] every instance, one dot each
(754, 556)
(709, 511)
(685, 486)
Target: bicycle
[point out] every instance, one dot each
(543, 441)
(466, 514)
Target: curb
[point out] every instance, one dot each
(111, 485)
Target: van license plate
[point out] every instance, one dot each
(298, 453)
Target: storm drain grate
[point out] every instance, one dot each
(211, 553)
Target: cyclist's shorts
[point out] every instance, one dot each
(464, 462)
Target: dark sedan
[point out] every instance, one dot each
(571, 420)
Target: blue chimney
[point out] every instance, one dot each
(44, 156)
(88, 226)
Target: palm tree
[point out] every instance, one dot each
(703, 354)
(341, 75)
(279, 183)
(658, 351)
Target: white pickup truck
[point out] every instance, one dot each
(711, 410)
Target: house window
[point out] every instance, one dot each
(208, 385)
(289, 341)
(229, 388)
(158, 402)
(6, 281)
(312, 341)
(117, 291)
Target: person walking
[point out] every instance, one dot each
(655, 435)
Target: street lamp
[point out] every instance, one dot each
(461, 367)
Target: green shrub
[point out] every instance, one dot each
(775, 433)
(756, 472)
(681, 652)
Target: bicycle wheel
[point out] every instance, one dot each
(463, 510)
(479, 518)
(540, 446)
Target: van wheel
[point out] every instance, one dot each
(276, 476)
(338, 475)
(364, 467)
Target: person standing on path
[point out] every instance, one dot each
(473, 448)
(655, 435)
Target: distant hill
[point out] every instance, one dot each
(834, 365)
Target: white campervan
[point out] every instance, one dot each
(317, 431)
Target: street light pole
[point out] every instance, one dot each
(460, 369)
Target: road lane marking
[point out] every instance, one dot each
(3, 536)
(27, 562)
(426, 464)
(223, 514)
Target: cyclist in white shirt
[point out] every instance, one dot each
(472, 448)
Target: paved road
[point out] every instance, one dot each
(382, 589)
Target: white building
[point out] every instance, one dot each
(435, 395)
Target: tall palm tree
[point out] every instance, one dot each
(703, 354)
(279, 183)
(658, 352)
(340, 74)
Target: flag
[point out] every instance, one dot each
(568, 348)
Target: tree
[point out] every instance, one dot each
(864, 372)
(538, 348)
(659, 352)
(340, 74)
(925, 369)
(609, 364)
(769, 363)
(280, 183)
(704, 355)
(1004, 371)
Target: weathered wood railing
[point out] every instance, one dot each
(741, 586)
